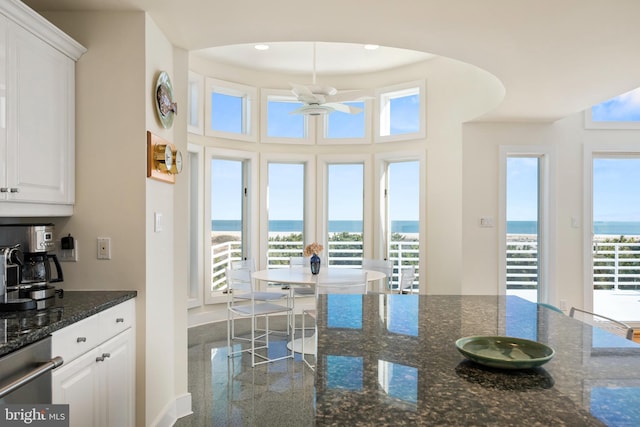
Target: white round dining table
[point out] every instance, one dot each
(302, 276)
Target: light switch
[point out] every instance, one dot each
(157, 222)
(486, 221)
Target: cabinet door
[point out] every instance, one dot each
(118, 372)
(40, 96)
(77, 384)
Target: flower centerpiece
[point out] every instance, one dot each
(313, 250)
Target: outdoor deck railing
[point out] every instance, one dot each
(340, 254)
(615, 265)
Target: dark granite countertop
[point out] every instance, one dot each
(392, 360)
(20, 328)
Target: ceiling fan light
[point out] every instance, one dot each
(313, 110)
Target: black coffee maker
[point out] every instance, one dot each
(31, 246)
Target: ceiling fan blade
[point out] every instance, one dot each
(307, 94)
(352, 95)
(344, 108)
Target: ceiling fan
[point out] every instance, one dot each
(321, 99)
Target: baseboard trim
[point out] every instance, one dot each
(180, 407)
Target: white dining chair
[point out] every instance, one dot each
(383, 266)
(608, 324)
(407, 277)
(244, 302)
(355, 285)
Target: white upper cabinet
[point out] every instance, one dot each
(37, 115)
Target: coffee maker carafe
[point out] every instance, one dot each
(33, 283)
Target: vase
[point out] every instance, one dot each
(314, 262)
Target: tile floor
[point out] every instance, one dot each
(229, 392)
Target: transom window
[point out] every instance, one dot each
(231, 110)
(401, 112)
(620, 112)
(278, 124)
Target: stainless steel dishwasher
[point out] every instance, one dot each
(25, 374)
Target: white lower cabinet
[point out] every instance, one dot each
(99, 384)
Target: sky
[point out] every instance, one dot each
(616, 189)
(622, 108)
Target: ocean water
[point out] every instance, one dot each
(295, 226)
(626, 228)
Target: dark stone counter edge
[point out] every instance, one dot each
(101, 300)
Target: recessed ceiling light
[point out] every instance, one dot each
(262, 46)
(371, 46)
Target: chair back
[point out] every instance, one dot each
(239, 280)
(608, 324)
(298, 262)
(245, 264)
(407, 276)
(355, 285)
(381, 265)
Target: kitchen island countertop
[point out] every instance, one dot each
(21, 328)
(392, 360)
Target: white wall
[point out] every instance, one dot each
(115, 106)
(110, 154)
(480, 195)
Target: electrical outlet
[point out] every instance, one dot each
(104, 247)
(68, 255)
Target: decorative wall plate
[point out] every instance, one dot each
(165, 106)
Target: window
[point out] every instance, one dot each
(195, 178)
(523, 211)
(620, 112)
(401, 112)
(278, 124)
(527, 214)
(344, 128)
(401, 195)
(345, 197)
(195, 113)
(229, 202)
(231, 110)
(285, 211)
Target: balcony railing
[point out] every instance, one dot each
(339, 253)
(616, 265)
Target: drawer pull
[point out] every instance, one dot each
(14, 190)
(82, 339)
(120, 320)
(99, 359)
(105, 355)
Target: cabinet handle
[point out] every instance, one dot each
(82, 339)
(99, 359)
(14, 190)
(120, 320)
(4, 190)
(105, 355)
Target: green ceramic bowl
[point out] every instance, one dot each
(505, 352)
